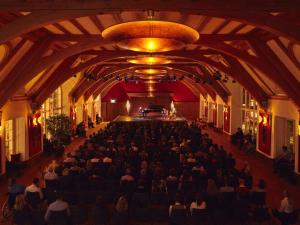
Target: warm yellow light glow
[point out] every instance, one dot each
(299, 129)
(260, 119)
(151, 71)
(128, 106)
(39, 120)
(150, 60)
(150, 82)
(151, 35)
(265, 120)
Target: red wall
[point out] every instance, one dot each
(110, 111)
(264, 133)
(189, 110)
(144, 102)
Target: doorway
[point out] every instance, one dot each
(284, 134)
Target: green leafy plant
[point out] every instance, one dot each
(59, 128)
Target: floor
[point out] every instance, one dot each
(261, 167)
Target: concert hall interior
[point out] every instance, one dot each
(149, 112)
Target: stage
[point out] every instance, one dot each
(148, 119)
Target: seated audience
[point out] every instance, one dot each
(58, 206)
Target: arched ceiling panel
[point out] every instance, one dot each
(284, 58)
(208, 23)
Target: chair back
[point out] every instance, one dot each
(172, 186)
(199, 216)
(258, 198)
(178, 215)
(58, 217)
(20, 217)
(33, 198)
(51, 184)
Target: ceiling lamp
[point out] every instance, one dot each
(151, 71)
(150, 60)
(151, 35)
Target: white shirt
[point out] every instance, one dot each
(33, 188)
(195, 206)
(50, 176)
(285, 206)
(70, 160)
(127, 178)
(58, 205)
(226, 189)
(107, 160)
(176, 204)
(95, 160)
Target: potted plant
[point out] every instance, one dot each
(59, 128)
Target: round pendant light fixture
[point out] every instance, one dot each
(151, 35)
(150, 60)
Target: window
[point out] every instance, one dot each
(9, 132)
(249, 113)
(52, 106)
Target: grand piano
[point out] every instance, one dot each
(153, 111)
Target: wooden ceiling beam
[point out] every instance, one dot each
(189, 5)
(55, 80)
(261, 19)
(279, 73)
(20, 74)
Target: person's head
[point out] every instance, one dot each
(50, 169)
(12, 181)
(122, 204)
(199, 198)
(178, 198)
(128, 171)
(36, 181)
(284, 148)
(286, 194)
(262, 184)
(58, 195)
(19, 202)
(241, 182)
(99, 201)
(173, 172)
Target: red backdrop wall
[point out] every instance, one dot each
(189, 110)
(264, 133)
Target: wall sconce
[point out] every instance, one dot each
(214, 106)
(36, 119)
(225, 109)
(0, 122)
(263, 119)
(128, 106)
(113, 101)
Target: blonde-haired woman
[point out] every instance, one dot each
(121, 211)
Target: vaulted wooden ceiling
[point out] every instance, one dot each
(43, 45)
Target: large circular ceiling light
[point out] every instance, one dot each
(151, 71)
(150, 60)
(151, 35)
